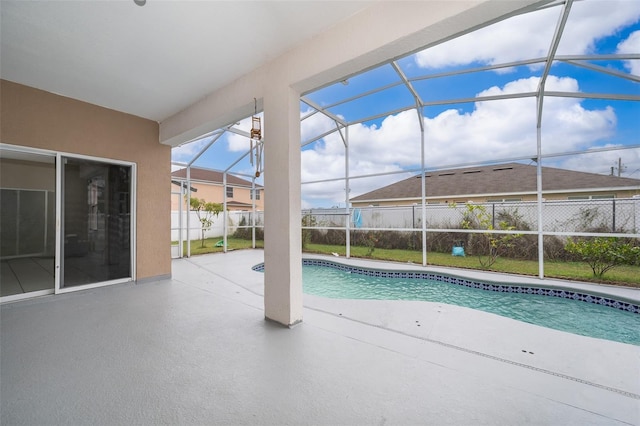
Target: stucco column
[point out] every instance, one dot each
(282, 216)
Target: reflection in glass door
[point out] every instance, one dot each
(27, 224)
(96, 231)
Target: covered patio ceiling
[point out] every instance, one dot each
(152, 61)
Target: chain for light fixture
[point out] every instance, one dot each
(255, 141)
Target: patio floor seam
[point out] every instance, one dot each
(484, 355)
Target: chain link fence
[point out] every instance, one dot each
(567, 216)
(400, 227)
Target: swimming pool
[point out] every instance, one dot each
(559, 309)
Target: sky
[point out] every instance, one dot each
(473, 130)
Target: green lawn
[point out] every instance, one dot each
(621, 275)
(210, 245)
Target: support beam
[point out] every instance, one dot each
(282, 213)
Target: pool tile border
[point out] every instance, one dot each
(467, 282)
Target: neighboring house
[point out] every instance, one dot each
(500, 183)
(208, 185)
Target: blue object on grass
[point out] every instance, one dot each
(457, 251)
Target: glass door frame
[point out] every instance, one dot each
(59, 260)
(59, 223)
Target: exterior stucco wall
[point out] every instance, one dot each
(38, 119)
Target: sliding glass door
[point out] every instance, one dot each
(66, 222)
(96, 225)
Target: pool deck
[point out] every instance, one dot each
(196, 349)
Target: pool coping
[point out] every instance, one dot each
(622, 298)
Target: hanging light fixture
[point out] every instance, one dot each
(256, 130)
(256, 139)
(140, 2)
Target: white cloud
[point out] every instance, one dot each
(631, 45)
(507, 128)
(185, 153)
(521, 37)
(314, 125)
(493, 130)
(373, 150)
(238, 143)
(603, 162)
(592, 20)
(529, 36)
(396, 141)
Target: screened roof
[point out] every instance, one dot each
(563, 80)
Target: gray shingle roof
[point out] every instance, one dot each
(495, 179)
(212, 176)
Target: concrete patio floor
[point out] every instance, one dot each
(196, 350)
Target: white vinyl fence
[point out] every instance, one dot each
(216, 229)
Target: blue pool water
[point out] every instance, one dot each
(568, 315)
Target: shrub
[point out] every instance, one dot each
(523, 247)
(245, 233)
(603, 254)
(486, 246)
(554, 249)
(405, 240)
(307, 220)
(441, 242)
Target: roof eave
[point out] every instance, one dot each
(501, 194)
